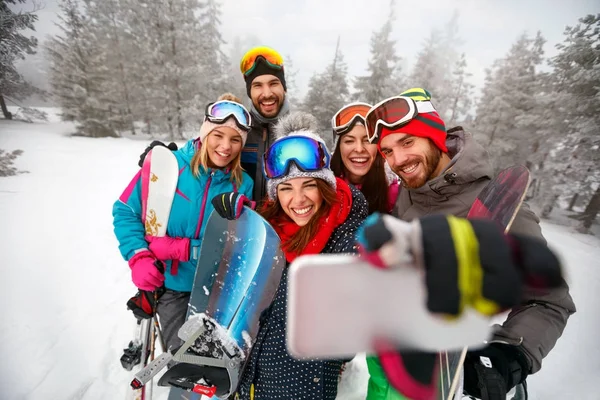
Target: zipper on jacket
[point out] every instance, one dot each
(512, 342)
(259, 179)
(203, 208)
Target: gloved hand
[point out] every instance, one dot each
(493, 267)
(230, 204)
(168, 248)
(388, 242)
(492, 372)
(171, 146)
(145, 272)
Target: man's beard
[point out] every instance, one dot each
(272, 114)
(430, 164)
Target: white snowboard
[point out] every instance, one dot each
(369, 303)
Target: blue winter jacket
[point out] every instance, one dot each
(189, 213)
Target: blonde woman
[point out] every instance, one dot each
(208, 165)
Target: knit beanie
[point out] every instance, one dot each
(262, 67)
(207, 127)
(425, 124)
(299, 124)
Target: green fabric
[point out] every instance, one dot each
(379, 387)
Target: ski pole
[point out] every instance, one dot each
(155, 327)
(161, 339)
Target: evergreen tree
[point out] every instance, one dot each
(572, 168)
(214, 61)
(429, 71)
(110, 30)
(460, 95)
(441, 70)
(76, 74)
(292, 94)
(510, 97)
(121, 62)
(328, 92)
(384, 74)
(13, 47)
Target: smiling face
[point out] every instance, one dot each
(357, 153)
(223, 145)
(267, 94)
(414, 159)
(300, 199)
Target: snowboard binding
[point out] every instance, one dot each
(132, 355)
(204, 364)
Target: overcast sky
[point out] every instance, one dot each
(307, 30)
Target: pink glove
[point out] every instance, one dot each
(144, 273)
(168, 248)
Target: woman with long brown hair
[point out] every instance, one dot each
(313, 212)
(358, 162)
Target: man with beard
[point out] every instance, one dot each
(442, 173)
(263, 72)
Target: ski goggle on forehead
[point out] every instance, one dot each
(345, 119)
(393, 113)
(306, 153)
(220, 111)
(270, 56)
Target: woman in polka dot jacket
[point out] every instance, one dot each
(313, 212)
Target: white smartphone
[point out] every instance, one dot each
(338, 305)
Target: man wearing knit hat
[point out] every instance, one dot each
(442, 173)
(417, 151)
(263, 71)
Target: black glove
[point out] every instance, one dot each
(171, 146)
(230, 204)
(492, 372)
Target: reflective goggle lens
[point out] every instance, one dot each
(308, 155)
(249, 60)
(221, 110)
(343, 120)
(393, 113)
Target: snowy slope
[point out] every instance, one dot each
(64, 284)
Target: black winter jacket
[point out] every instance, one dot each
(271, 371)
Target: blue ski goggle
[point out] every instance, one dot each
(220, 111)
(306, 153)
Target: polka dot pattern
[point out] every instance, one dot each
(273, 372)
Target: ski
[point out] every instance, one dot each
(159, 177)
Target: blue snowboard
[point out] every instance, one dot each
(237, 276)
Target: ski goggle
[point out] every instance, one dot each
(306, 153)
(271, 57)
(393, 113)
(345, 119)
(220, 111)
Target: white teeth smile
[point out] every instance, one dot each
(302, 211)
(359, 160)
(410, 168)
(268, 103)
(222, 154)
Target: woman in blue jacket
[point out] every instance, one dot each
(208, 166)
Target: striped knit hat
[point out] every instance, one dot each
(425, 124)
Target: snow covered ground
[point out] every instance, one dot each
(64, 285)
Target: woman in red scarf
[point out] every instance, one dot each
(313, 212)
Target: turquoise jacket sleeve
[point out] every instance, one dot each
(127, 219)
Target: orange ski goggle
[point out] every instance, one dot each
(272, 58)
